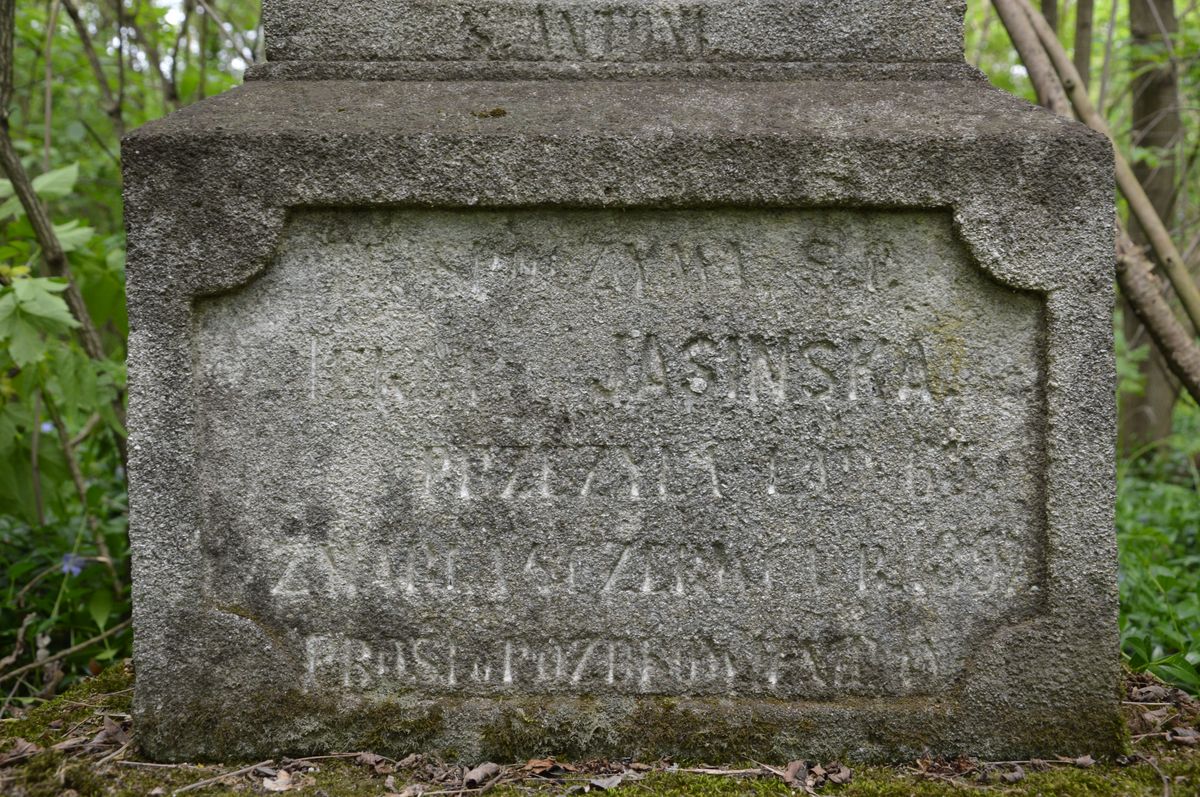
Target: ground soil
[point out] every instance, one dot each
(82, 743)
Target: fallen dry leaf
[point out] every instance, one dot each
(1184, 735)
(481, 774)
(840, 774)
(1012, 777)
(1149, 694)
(796, 774)
(115, 731)
(19, 750)
(281, 782)
(607, 784)
(380, 764)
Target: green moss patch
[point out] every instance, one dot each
(80, 743)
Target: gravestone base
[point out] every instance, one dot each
(711, 418)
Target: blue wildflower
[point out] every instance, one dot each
(72, 564)
(47, 427)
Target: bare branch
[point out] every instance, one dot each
(169, 91)
(1041, 71)
(986, 29)
(34, 457)
(1135, 274)
(62, 654)
(1050, 14)
(1106, 72)
(48, 89)
(235, 39)
(52, 252)
(111, 106)
(64, 440)
(7, 27)
(180, 35)
(1139, 203)
(1084, 13)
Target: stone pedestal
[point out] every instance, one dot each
(716, 380)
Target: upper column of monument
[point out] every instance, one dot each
(616, 31)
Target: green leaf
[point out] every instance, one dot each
(11, 207)
(8, 306)
(6, 189)
(100, 607)
(71, 235)
(58, 183)
(25, 343)
(37, 297)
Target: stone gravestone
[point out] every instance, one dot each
(708, 379)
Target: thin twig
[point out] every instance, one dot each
(179, 37)
(34, 455)
(1084, 13)
(8, 699)
(1166, 782)
(235, 40)
(1139, 203)
(111, 106)
(1037, 64)
(62, 654)
(200, 784)
(7, 28)
(64, 441)
(1106, 71)
(48, 89)
(19, 600)
(1141, 287)
(986, 29)
(112, 755)
(169, 92)
(152, 765)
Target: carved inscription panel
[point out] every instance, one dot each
(789, 453)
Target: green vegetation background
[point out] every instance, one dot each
(62, 482)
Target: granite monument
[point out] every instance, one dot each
(581, 377)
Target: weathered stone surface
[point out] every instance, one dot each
(710, 418)
(626, 453)
(608, 30)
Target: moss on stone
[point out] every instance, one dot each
(534, 727)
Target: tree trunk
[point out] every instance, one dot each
(1084, 12)
(1050, 12)
(1157, 126)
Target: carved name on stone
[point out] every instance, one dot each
(790, 453)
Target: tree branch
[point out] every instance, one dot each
(7, 27)
(111, 106)
(1084, 13)
(64, 440)
(62, 654)
(52, 251)
(1139, 203)
(235, 39)
(1135, 274)
(1041, 71)
(169, 90)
